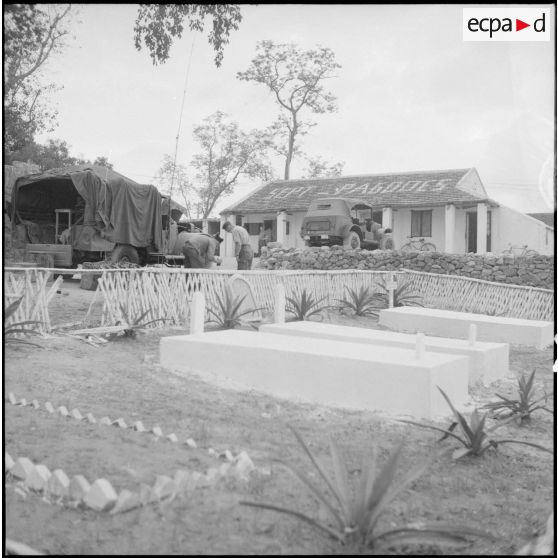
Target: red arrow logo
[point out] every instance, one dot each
(519, 25)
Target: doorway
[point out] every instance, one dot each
(471, 231)
(271, 224)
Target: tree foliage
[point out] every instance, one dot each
(52, 155)
(227, 153)
(32, 34)
(172, 179)
(318, 168)
(158, 24)
(296, 80)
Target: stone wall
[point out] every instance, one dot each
(537, 271)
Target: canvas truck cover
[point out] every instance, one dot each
(126, 211)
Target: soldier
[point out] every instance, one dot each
(242, 248)
(200, 250)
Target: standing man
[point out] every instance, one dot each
(242, 249)
(200, 250)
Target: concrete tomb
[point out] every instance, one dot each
(456, 324)
(337, 373)
(487, 361)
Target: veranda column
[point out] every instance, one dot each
(387, 218)
(449, 229)
(282, 227)
(482, 227)
(227, 246)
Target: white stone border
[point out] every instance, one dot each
(119, 422)
(102, 497)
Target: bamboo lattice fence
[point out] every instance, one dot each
(167, 292)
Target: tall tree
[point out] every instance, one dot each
(158, 24)
(172, 180)
(296, 79)
(318, 168)
(32, 34)
(227, 153)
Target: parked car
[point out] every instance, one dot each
(343, 222)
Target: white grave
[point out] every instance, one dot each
(456, 324)
(487, 361)
(241, 287)
(280, 303)
(321, 371)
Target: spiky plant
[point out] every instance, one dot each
(526, 403)
(14, 329)
(362, 302)
(355, 507)
(227, 312)
(133, 326)
(403, 295)
(305, 305)
(473, 435)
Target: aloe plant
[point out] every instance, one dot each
(525, 404)
(305, 305)
(473, 435)
(403, 295)
(227, 312)
(363, 302)
(11, 331)
(132, 326)
(355, 507)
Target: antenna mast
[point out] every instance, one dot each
(178, 132)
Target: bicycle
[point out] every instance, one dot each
(525, 251)
(418, 245)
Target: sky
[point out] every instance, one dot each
(411, 94)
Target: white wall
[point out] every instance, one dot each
(518, 229)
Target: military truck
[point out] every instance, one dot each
(91, 213)
(340, 221)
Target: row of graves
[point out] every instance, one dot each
(398, 370)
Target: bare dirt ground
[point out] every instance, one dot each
(508, 492)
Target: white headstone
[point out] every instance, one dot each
(241, 287)
(419, 348)
(472, 334)
(280, 301)
(197, 313)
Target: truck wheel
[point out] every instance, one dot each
(124, 253)
(352, 242)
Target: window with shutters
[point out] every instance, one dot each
(421, 223)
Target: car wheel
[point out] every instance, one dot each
(352, 242)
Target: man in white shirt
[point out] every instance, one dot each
(242, 248)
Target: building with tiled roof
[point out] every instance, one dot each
(449, 208)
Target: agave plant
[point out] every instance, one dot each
(132, 326)
(11, 331)
(403, 295)
(525, 404)
(227, 312)
(305, 305)
(363, 302)
(473, 435)
(355, 507)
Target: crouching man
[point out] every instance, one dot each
(200, 250)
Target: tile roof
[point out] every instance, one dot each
(546, 218)
(407, 189)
